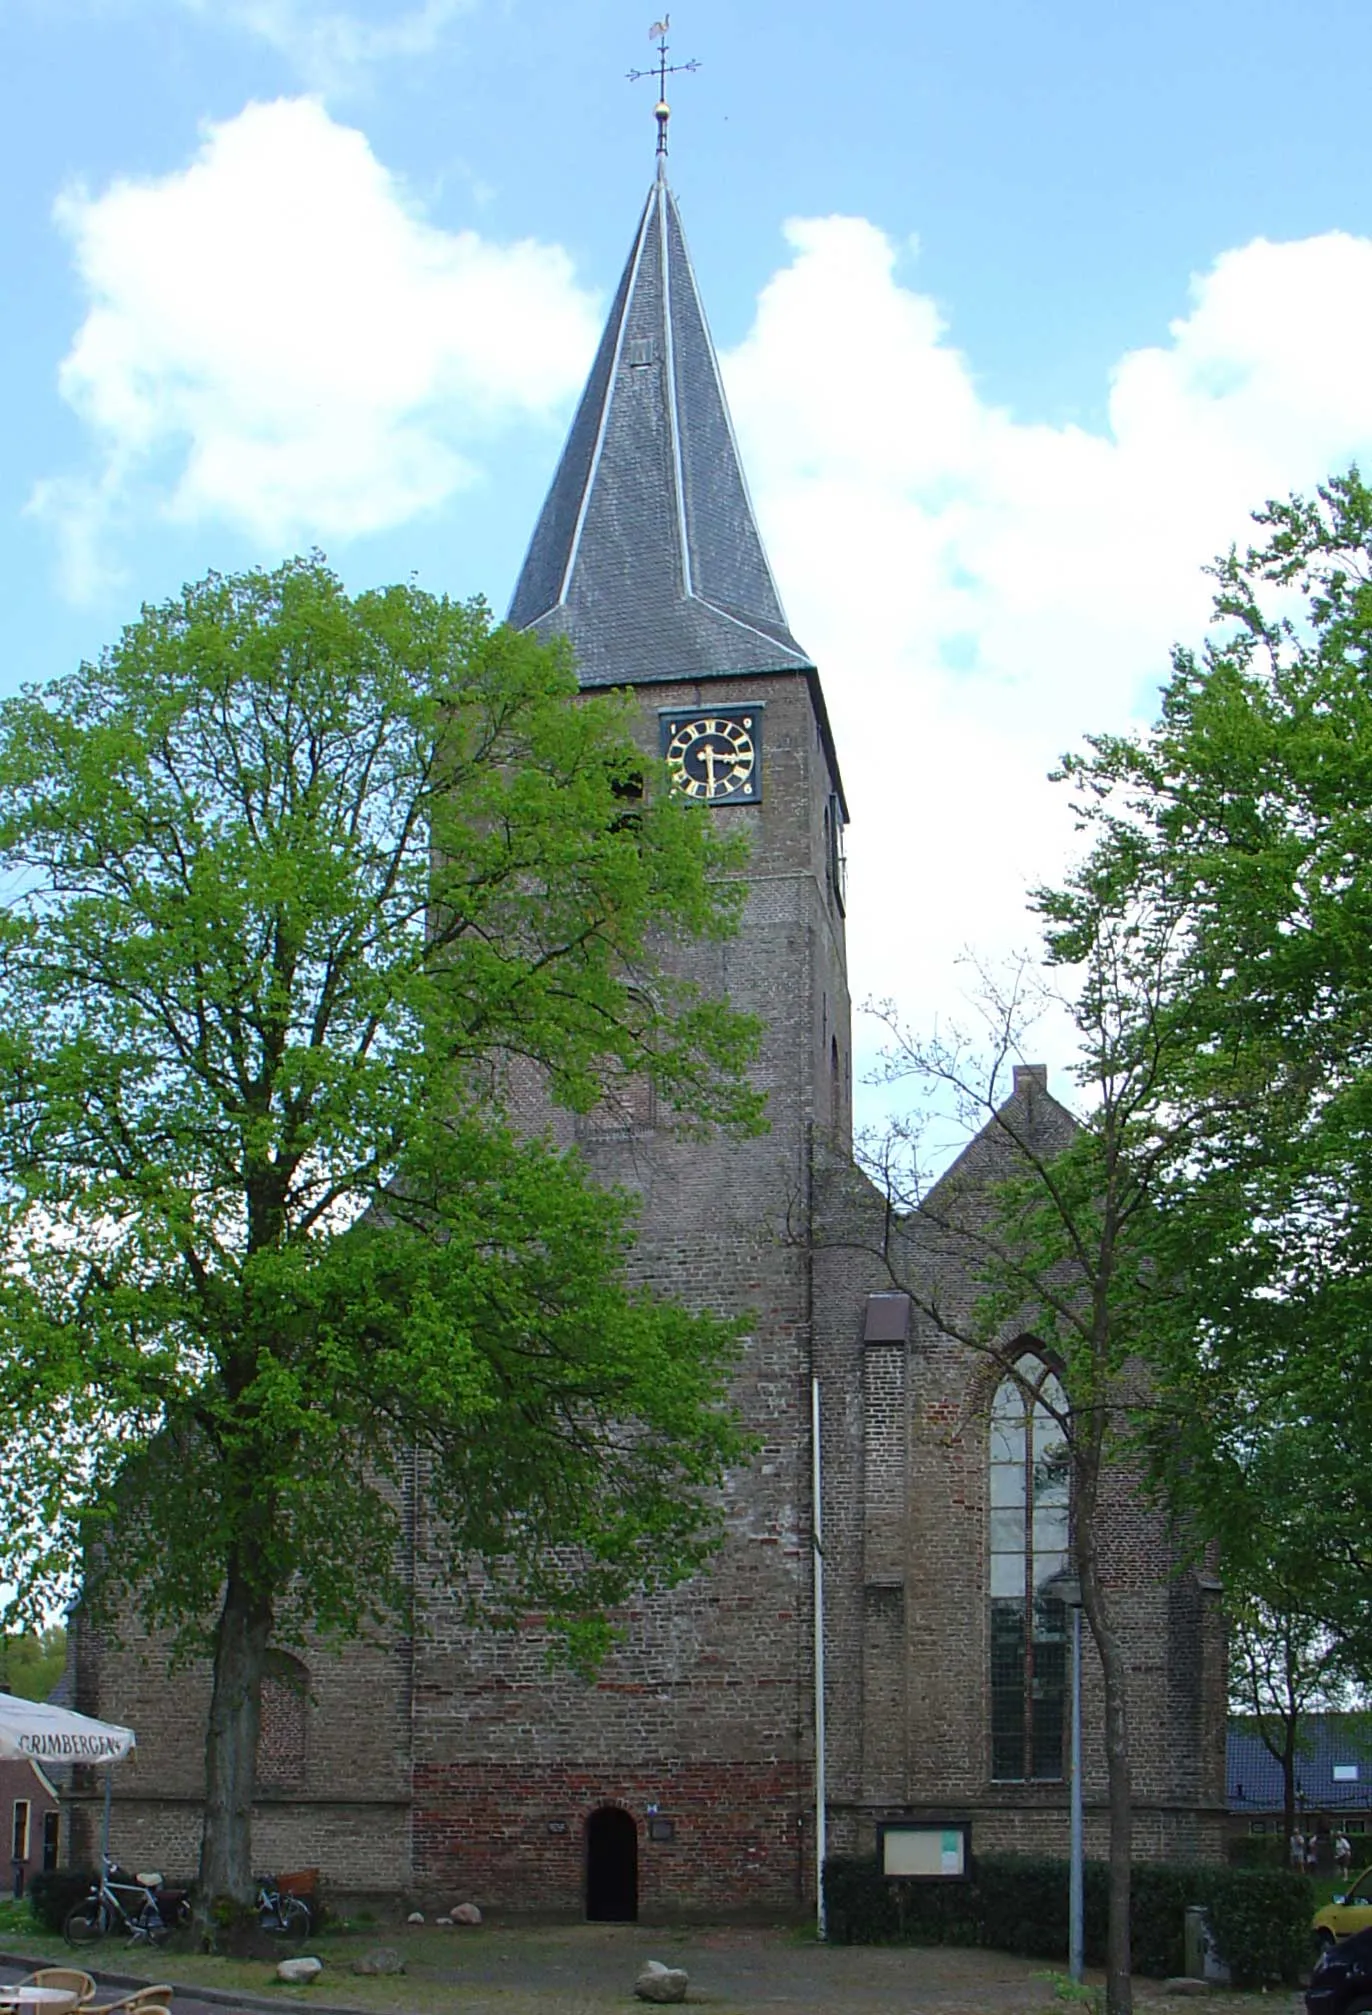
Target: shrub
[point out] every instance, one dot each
(865, 1907)
(1024, 1905)
(1261, 1922)
(53, 1892)
(1018, 1903)
(1255, 1850)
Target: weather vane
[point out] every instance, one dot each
(662, 70)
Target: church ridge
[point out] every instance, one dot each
(646, 554)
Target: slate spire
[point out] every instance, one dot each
(647, 554)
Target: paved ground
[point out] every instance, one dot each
(590, 1969)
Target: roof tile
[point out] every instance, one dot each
(647, 554)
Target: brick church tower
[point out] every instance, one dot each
(683, 1782)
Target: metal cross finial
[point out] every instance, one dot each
(662, 71)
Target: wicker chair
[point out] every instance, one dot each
(69, 1978)
(142, 2001)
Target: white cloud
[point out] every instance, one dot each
(331, 46)
(277, 339)
(980, 592)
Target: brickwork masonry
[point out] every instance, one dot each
(713, 1840)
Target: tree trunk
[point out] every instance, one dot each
(240, 1651)
(1119, 1990)
(1288, 1790)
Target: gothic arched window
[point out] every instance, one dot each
(1030, 1501)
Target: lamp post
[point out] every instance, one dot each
(1067, 1588)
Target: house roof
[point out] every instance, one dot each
(647, 554)
(1328, 1742)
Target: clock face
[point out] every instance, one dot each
(714, 756)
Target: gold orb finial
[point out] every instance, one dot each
(662, 111)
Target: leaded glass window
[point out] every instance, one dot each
(1030, 1504)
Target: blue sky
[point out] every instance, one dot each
(1022, 308)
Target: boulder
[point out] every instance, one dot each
(300, 1972)
(1185, 1983)
(466, 1913)
(415, 1917)
(381, 1959)
(661, 1983)
(444, 1923)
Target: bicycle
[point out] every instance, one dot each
(280, 1912)
(135, 1904)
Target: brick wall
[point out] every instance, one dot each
(907, 1636)
(23, 1786)
(705, 1706)
(737, 1843)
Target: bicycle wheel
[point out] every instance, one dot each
(151, 1925)
(87, 1922)
(293, 1915)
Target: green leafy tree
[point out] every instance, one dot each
(1283, 1667)
(313, 906)
(1200, 1256)
(1246, 817)
(32, 1661)
(1050, 1220)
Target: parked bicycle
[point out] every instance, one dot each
(138, 1905)
(280, 1911)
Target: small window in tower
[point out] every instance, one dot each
(627, 1108)
(628, 793)
(638, 351)
(838, 861)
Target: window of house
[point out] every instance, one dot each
(51, 1824)
(20, 1850)
(1029, 1512)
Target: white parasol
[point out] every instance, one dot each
(41, 1733)
(35, 1731)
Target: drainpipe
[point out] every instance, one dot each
(818, 1542)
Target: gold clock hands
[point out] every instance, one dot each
(707, 756)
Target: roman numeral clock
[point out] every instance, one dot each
(715, 756)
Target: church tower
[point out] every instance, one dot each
(683, 1780)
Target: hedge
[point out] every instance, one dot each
(54, 1891)
(1256, 1850)
(1018, 1903)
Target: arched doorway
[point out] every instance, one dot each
(611, 1867)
